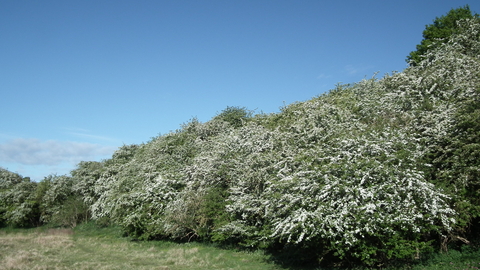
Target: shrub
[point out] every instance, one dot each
(18, 204)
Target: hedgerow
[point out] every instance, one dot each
(380, 170)
(358, 174)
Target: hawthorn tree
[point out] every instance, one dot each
(18, 204)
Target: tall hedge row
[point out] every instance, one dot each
(384, 169)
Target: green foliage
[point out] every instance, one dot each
(18, 204)
(439, 32)
(59, 204)
(85, 177)
(456, 159)
(9, 179)
(135, 193)
(72, 212)
(196, 215)
(466, 257)
(235, 116)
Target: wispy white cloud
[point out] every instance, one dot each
(354, 70)
(351, 69)
(86, 134)
(94, 137)
(357, 69)
(323, 76)
(50, 153)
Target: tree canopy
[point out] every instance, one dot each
(438, 32)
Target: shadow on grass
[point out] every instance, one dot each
(293, 258)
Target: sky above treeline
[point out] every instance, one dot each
(78, 79)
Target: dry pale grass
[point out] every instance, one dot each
(129, 255)
(58, 249)
(29, 250)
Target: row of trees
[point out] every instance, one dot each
(384, 169)
(55, 200)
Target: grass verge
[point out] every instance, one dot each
(93, 247)
(103, 248)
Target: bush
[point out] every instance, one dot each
(19, 206)
(235, 116)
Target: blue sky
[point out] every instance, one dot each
(78, 79)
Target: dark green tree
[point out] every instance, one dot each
(438, 32)
(235, 116)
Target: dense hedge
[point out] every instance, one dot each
(384, 169)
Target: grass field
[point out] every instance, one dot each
(68, 249)
(91, 247)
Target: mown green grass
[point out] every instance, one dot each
(92, 247)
